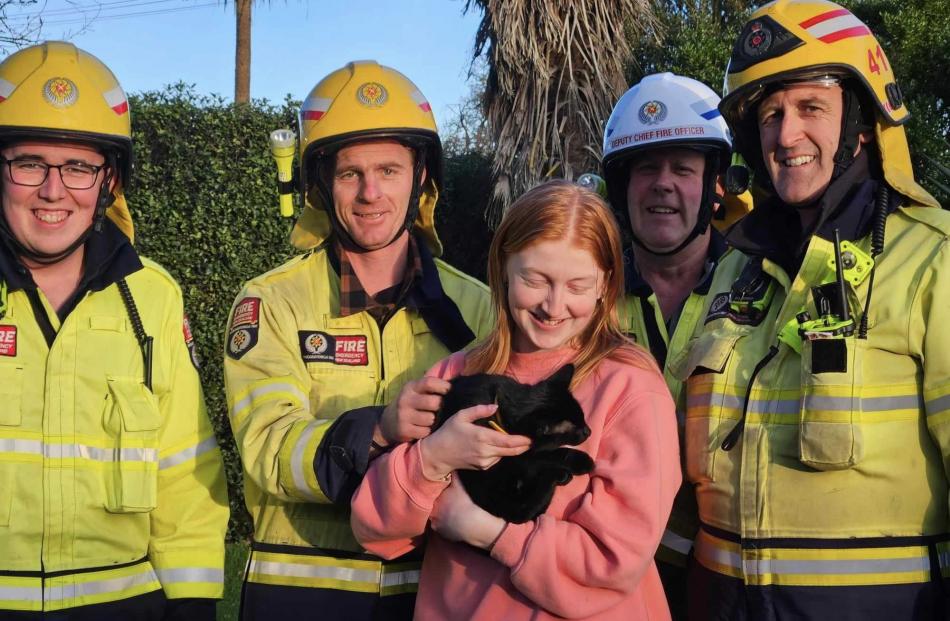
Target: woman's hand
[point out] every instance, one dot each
(456, 518)
(460, 444)
(412, 414)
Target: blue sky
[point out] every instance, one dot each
(294, 44)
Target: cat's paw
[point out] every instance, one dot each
(579, 462)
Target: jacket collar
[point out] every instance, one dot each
(636, 285)
(773, 229)
(109, 257)
(427, 297)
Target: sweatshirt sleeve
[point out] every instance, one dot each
(390, 509)
(595, 557)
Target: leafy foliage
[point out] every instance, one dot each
(204, 205)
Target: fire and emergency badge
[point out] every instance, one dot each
(652, 112)
(8, 341)
(60, 92)
(190, 343)
(372, 94)
(322, 347)
(245, 323)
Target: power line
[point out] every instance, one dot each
(95, 13)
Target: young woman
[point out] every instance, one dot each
(556, 273)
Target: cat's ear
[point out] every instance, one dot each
(564, 375)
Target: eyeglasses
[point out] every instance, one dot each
(33, 173)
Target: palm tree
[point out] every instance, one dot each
(242, 51)
(555, 71)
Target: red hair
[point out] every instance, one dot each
(558, 210)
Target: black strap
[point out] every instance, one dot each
(657, 344)
(42, 319)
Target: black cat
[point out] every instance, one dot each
(520, 488)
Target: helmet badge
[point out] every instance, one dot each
(652, 112)
(757, 40)
(60, 92)
(372, 94)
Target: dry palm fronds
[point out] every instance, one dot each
(555, 71)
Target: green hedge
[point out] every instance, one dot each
(205, 206)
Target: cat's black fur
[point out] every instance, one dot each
(520, 488)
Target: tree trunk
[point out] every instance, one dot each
(242, 52)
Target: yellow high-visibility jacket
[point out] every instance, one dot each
(305, 387)
(838, 480)
(109, 489)
(642, 320)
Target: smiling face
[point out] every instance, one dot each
(372, 184)
(664, 191)
(553, 291)
(799, 128)
(48, 218)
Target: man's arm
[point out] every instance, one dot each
(188, 525)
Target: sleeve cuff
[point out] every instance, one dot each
(509, 549)
(421, 490)
(343, 455)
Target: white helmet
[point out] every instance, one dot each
(666, 110)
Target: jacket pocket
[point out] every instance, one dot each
(132, 419)
(708, 404)
(829, 435)
(11, 389)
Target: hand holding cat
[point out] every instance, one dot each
(457, 518)
(460, 444)
(412, 414)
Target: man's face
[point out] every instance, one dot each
(664, 192)
(800, 127)
(48, 218)
(372, 183)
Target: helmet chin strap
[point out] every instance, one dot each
(412, 211)
(703, 218)
(852, 126)
(103, 201)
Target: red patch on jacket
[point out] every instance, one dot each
(8, 341)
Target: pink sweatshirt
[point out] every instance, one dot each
(589, 556)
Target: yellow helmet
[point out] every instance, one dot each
(360, 101)
(56, 91)
(803, 40)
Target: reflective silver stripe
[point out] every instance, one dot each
(298, 570)
(940, 404)
(95, 453)
(866, 404)
(839, 567)
(189, 453)
(23, 594)
(674, 542)
(11, 445)
(757, 406)
(98, 587)
(76, 451)
(263, 391)
(399, 578)
(297, 465)
(771, 406)
(713, 554)
(190, 574)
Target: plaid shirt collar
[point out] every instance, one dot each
(353, 297)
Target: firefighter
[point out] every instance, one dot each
(114, 503)
(819, 381)
(665, 149)
(317, 347)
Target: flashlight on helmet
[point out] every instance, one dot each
(283, 143)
